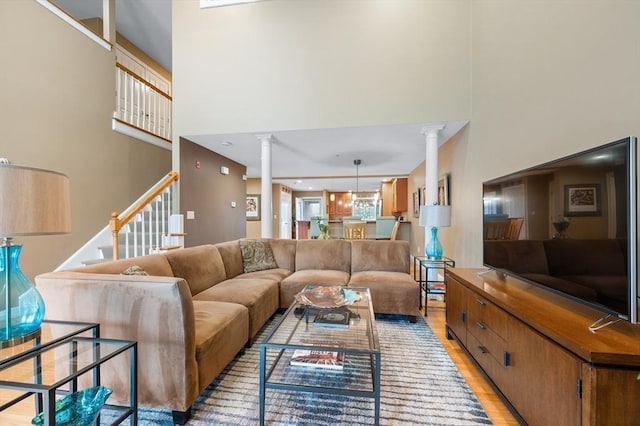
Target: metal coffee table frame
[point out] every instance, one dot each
(295, 330)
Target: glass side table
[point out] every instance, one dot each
(59, 368)
(51, 332)
(425, 273)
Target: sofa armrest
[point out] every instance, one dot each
(157, 312)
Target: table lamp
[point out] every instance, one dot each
(434, 216)
(32, 202)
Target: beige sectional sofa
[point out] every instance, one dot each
(198, 307)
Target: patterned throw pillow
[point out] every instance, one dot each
(257, 255)
(134, 270)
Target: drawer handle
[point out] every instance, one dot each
(506, 359)
(481, 326)
(483, 349)
(481, 302)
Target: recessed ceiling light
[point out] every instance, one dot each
(226, 143)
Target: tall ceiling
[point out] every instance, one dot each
(306, 159)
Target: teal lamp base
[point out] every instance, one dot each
(21, 306)
(433, 249)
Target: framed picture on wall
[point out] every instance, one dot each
(443, 190)
(253, 207)
(582, 200)
(416, 203)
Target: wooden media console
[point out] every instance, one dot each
(536, 349)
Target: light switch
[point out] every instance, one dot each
(191, 214)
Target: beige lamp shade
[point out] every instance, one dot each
(33, 202)
(435, 215)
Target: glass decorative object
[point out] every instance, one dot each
(328, 297)
(434, 216)
(433, 249)
(78, 409)
(21, 306)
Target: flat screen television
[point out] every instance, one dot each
(570, 226)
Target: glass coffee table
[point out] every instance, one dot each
(357, 371)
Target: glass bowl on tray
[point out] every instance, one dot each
(327, 297)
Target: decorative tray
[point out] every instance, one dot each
(328, 297)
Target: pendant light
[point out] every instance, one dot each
(357, 164)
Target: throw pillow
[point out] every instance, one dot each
(134, 270)
(257, 255)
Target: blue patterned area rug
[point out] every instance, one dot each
(420, 386)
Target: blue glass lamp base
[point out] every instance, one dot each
(21, 306)
(433, 249)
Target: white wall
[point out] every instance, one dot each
(549, 79)
(302, 64)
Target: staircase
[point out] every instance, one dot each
(146, 227)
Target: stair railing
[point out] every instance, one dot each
(141, 104)
(151, 236)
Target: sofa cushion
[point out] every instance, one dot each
(372, 255)
(260, 297)
(391, 292)
(200, 266)
(256, 255)
(295, 282)
(221, 331)
(323, 255)
(231, 257)
(284, 251)
(153, 264)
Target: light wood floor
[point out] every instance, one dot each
(493, 405)
(22, 413)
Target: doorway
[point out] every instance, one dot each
(308, 207)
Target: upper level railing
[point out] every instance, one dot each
(141, 104)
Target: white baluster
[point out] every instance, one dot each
(136, 220)
(126, 230)
(157, 234)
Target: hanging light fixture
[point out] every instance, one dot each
(357, 163)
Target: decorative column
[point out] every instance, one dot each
(431, 134)
(266, 205)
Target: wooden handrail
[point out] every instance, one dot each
(116, 223)
(141, 79)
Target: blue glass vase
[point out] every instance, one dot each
(21, 306)
(433, 248)
(78, 409)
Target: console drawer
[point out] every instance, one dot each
(484, 312)
(490, 341)
(481, 354)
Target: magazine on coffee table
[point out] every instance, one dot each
(332, 318)
(329, 360)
